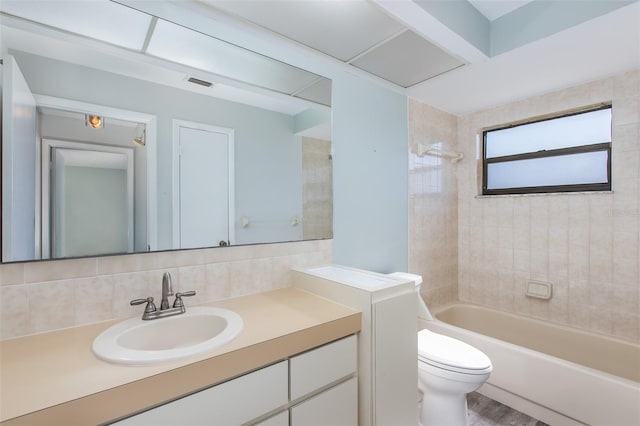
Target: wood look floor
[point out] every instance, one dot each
(487, 412)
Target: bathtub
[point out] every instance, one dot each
(557, 374)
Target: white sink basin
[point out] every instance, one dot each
(199, 330)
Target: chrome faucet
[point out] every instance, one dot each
(150, 310)
(167, 290)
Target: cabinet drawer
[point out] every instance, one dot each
(319, 367)
(337, 406)
(234, 402)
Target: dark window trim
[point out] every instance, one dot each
(605, 146)
(553, 116)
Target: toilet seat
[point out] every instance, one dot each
(451, 354)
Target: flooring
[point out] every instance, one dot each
(487, 412)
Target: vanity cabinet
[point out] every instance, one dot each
(231, 403)
(317, 387)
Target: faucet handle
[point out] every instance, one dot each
(151, 307)
(178, 302)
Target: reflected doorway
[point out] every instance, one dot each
(87, 199)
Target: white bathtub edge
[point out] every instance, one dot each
(549, 388)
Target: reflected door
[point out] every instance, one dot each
(205, 194)
(90, 200)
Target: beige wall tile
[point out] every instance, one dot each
(218, 281)
(192, 278)
(175, 258)
(128, 263)
(627, 85)
(51, 305)
(434, 219)
(11, 273)
(93, 299)
(35, 272)
(98, 289)
(626, 325)
(559, 304)
(14, 311)
(587, 245)
(129, 286)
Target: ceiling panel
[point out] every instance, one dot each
(93, 19)
(406, 60)
(342, 29)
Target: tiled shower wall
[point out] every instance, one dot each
(586, 245)
(49, 295)
(433, 204)
(317, 189)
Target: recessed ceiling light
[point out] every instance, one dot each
(93, 121)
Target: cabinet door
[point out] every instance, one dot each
(337, 406)
(231, 403)
(319, 367)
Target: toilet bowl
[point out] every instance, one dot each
(448, 370)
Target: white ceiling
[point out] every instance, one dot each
(400, 42)
(395, 40)
(357, 32)
(601, 47)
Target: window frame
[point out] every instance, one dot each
(597, 147)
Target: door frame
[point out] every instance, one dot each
(47, 226)
(10, 75)
(175, 163)
(151, 147)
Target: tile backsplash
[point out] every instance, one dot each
(43, 296)
(586, 244)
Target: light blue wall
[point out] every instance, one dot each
(369, 176)
(370, 144)
(543, 18)
(463, 18)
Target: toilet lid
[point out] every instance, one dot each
(450, 352)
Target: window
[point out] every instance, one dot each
(562, 154)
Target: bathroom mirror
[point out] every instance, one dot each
(204, 143)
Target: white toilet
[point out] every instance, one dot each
(448, 370)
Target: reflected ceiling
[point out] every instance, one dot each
(141, 33)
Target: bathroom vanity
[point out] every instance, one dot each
(296, 357)
(316, 387)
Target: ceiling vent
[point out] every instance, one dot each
(200, 82)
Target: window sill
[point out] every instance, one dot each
(544, 194)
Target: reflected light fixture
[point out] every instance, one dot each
(94, 121)
(140, 140)
(141, 130)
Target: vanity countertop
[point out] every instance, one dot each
(54, 378)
